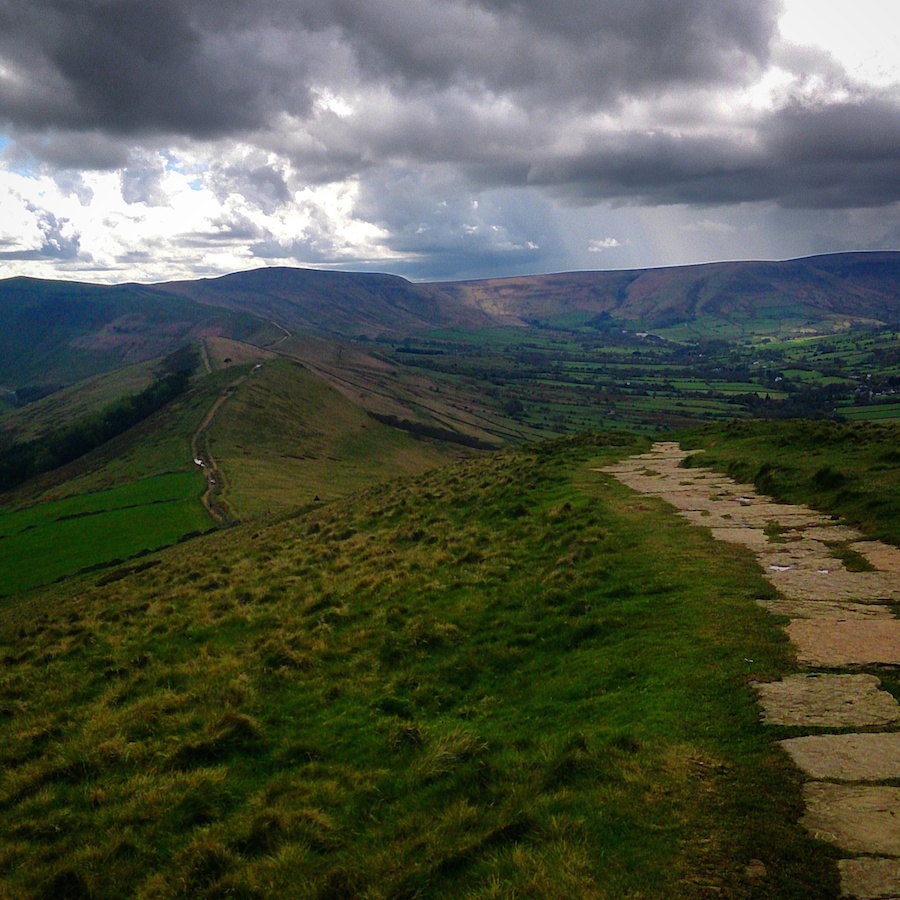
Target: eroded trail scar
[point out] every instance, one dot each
(839, 620)
(202, 454)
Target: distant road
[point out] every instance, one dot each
(282, 339)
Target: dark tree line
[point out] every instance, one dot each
(24, 460)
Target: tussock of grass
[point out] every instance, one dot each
(503, 679)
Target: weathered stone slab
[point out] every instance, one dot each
(870, 878)
(834, 532)
(838, 644)
(827, 701)
(855, 818)
(731, 510)
(753, 538)
(847, 757)
(805, 583)
(645, 483)
(800, 552)
(884, 557)
(826, 609)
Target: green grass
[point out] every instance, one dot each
(159, 445)
(286, 437)
(138, 492)
(510, 677)
(846, 469)
(42, 543)
(872, 413)
(76, 401)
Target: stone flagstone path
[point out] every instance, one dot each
(839, 619)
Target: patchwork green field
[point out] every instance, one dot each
(552, 380)
(42, 543)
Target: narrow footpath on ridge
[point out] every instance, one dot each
(841, 623)
(202, 455)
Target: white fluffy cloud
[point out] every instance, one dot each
(598, 245)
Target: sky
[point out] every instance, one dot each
(148, 140)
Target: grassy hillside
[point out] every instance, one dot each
(508, 677)
(88, 396)
(279, 437)
(342, 303)
(388, 386)
(138, 492)
(455, 674)
(55, 333)
(825, 292)
(285, 437)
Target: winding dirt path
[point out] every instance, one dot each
(211, 498)
(841, 622)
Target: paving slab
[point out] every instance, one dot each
(847, 757)
(839, 644)
(827, 701)
(870, 878)
(861, 819)
(752, 538)
(838, 619)
(832, 532)
(806, 583)
(801, 551)
(826, 609)
(884, 557)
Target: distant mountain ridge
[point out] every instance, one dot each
(864, 286)
(53, 332)
(342, 303)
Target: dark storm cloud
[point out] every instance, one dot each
(204, 68)
(508, 93)
(142, 66)
(580, 49)
(843, 154)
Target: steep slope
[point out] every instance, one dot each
(274, 437)
(138, 492)
(824, 289)
(342, 303)
(54, 333)
(31, 420)
(285, 438)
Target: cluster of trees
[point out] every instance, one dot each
(24, 460)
